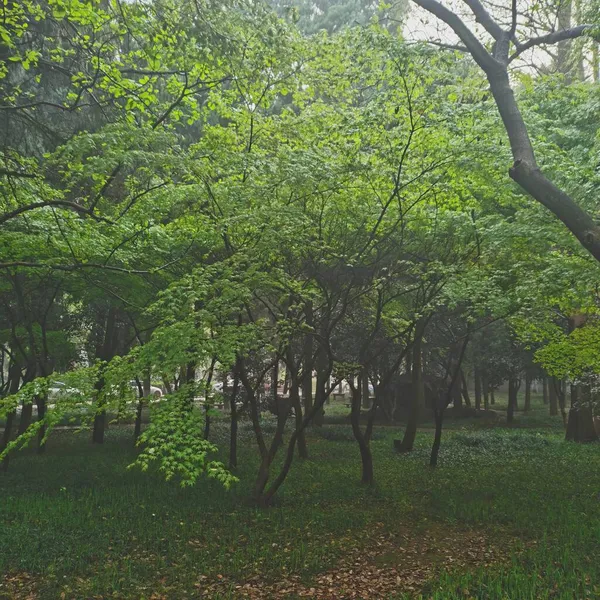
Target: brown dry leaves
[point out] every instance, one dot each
(17, 585)
(386, 563)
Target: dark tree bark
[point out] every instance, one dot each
(41, 401)
(553, 397)
(527, 406)
(14, 374)
(105, 353)
(321, 395)
(307, 351)
(418, 391)
(513, 388)
(457, 396)
(367, 474)
(477, 377)
(440, 406)
(366, 402)
(465, 389)
(580, 427)
(208, 398)
(525, 170)
(561, 392)
(545, 389)
(233, 420)
(486, 393)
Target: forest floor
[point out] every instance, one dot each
(509, 513)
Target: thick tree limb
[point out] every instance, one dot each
(477, 50)
(551, 38)
(525, 170)
(581, 224)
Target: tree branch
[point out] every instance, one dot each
(56, 203)
(551, 38)
(481, 56)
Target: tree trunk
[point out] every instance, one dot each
(297, 406)
(26, 418)
(465, 389)
(580, 427)
(365, 388)
(525, 170)
(435, 450)
(233, 420)
(553, 397)
(14, 373)
(561, 392)
(512, 399)
(418, 393)
(486, 393)
(457, 396)
(105, 353)
(492, 396)
(363, 444)
(527, 406)
(477, 390)
(545, 389)
(321, 393)
(438, 411)
(307, 360)
(40, 401)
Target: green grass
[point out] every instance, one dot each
(77, 522)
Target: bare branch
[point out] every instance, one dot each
(551, 38)
(481, 56)
(483, 17)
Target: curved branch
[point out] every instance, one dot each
(551, 38)
(481, 56)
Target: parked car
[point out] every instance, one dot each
(58, 389)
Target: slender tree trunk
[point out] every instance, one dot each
(26, 418)
(437, 440)
(492, 396)
(561, 391)
(418, 393)
(465, 389)
(457, 396)
(486, 393)
(297, 406)
(14, 373)
(438, 411)
(366, 403)
(208, 398)
(512, 399)
(234, 420)
(322, 379)
(527, 406)
(366, 457)
(105, 354)
(553, 397)
(477, 389)
(307, 360)
(41, 402)
(545, 389)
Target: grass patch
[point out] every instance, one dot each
(75, 522)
